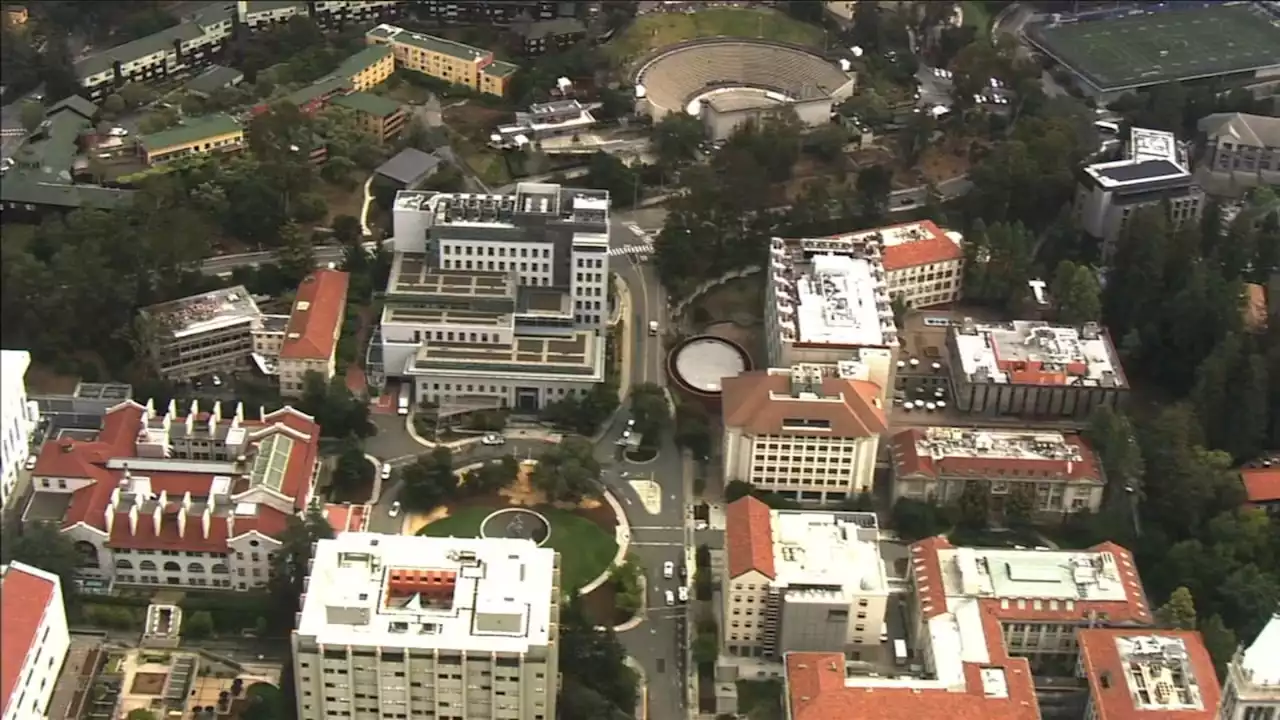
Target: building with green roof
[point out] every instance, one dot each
(211, 133)
(445, 59)
(382, 117)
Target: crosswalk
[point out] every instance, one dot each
(630, 250)
(12, 132)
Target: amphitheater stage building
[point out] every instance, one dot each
(728, 81)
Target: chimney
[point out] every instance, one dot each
(133, 520)
(110, 520)
(173, 407)
(239, 413)
(195, 408)
(182, 522)
(1070, 465)
(231, 525)
(186, 500)
(157, 518)
(150, 408)
(190, 422)
(204, 522)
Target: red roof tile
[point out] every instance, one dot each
(748, 537)
(935, 247)
(909, 461)
(118, 439)
(316, 319)
(760, 402)
(1261, 485)
(25, 595)
(926, 575)
(1112, 699)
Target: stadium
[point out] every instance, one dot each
(1119, 50)
(728, 81)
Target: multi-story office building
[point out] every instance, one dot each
(195, 42)
(310, 340)
(827, 300)
(1144, 673)
(1155, 170)
(18, 419)
(196, 136)
(464, 629)
(801, 432)
(336, 13)
(381, 117)
(33, 622)
(196, 500)
(1034, 369)
(1241, 151)
(1252, 689)
(799, 581)
(262, 14)
(445, 59)
(202, 334)
(498, 300)
(542, 36)
(1058, 471)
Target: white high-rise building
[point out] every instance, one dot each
(1252, 687)
(498, 300)
(33, 624)
(417, 627)
(20, 416)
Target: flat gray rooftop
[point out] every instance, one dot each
(558, 356)
(413, 315)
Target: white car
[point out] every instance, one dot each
(118, 132)
(492, 439)
(386, 471)
(217, 380)
(395, 509)
(682, 593)
(671, 599)
(31, 462)
(668, 569)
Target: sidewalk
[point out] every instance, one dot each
(642, 689)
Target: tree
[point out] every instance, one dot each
(706, 648)
(693, 429)
(291, 565)
(607, 172)
(31, 114)
(974, 505)
(1179, 612)
(650, 411)
(335, 409)
(113, 105)
(1076, 294)
(1020, 505)
(676, 138)
(917, 519)
(874, 185)
(353, 473)
(199, 625)
(430, 480)
(346, 229)
(737, 489)
(296, 256)
(42, 546)
(491, 476)
(596, 683)
(568, 472)
(1220, 641)
(1112, 436)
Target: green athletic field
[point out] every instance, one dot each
(1164, 46)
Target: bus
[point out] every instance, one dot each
(900, 651)
(406, 390)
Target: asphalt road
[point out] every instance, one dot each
(224, 264)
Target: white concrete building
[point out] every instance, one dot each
(1252, 690)
(1242, 151)
(801, 581)
(827, 300)
(33, 640)
(394, 626)
(18, 419)
(1032, 368)
(196, 500)
(1155, 169)
(498, 300)
(1139, 673)
(803, 433)
(545, 120)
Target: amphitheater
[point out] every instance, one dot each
(726, 81)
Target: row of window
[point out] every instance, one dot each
(501, 251)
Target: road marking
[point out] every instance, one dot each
(630, 250)
(656, 527)
(657, 544)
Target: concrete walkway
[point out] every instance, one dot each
(364, 208)
(622, 534)
(642, 689)
(377, 478)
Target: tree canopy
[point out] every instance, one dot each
(568, 472)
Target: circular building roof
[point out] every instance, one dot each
(702, 362)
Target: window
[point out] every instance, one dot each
(195, 567)
(146, 565)
(124, 565)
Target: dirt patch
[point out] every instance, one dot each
(414, 522)
(341, 201)
(521, 493)
(474, 120)
(42, 379)
(145, 683)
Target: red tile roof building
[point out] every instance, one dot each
(981, 621)
(1262, 485)
(194, 500)
(1059, 470)
(311, 336)
(33, 640)
(804, 432)
(1148, 675)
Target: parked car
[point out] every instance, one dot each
(668, 569)
(671, 598)
(395, 509)
(386, 471)
(682, 593)
(493, 439)
(31, 462)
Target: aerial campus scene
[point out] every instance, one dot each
(575, 360)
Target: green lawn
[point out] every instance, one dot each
(656, 30)
(585, 549)
(1163, 46)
